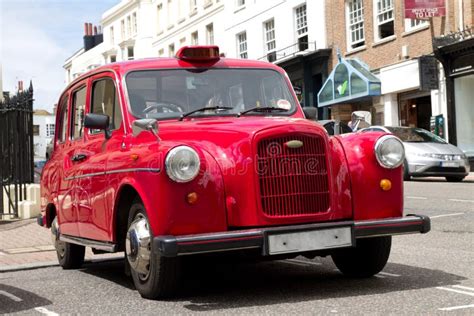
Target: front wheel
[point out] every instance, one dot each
(70, 256)
(455, 178)
(154, 276)
(369, 257)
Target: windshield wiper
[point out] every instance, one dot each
(215, 108)
(262, 109)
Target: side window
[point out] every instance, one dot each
(63, 119)
(105, 101)
(78, 107)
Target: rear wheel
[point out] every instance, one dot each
(70, 256)
(154, 276)
(369, 257)
(455, 178)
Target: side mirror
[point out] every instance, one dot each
(310, 112)
(98, 121)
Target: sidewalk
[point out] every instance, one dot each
(24, 244)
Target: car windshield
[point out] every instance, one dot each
(162, 94)
(415, 135)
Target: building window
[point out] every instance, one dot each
(240, 3)
(161, 52)
(207, 3)
(192, 7)
(194, 38)
(270, 43)
(112, 40)
(50, 130)
(171, 50)
(210, 34)
(113, 58)
(355, 23)
(412, 24)
(182, 42)
(36, 130)
(129, 27)
(301, 22)
(134, 23)
(242, 45)
(384, 21)
(130, 53)
(159, 15)
(122, 29)
(170, 12)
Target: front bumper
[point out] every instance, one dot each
(423, 167)
(172, 246)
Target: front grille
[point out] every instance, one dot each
(293, 181)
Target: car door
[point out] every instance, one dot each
(62, 179)
(94, 211)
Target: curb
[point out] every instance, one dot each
(41, 265)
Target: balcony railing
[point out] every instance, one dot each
(290, 51)
(453, 37)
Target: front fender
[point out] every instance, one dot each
(369, 201)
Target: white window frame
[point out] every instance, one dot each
(171, 50)
(239, 4)
(383, 15)
(414, 24)
(129, 26)
(242, 48)
(355, 24)
(269, 37)
(301, 22)
(134, 23)
(182, 42)
(112, 36)
(50, 130)
(170, 13)
(192, 7)
(159, 18)
(195, 38)
(122, 29)
(210, 34)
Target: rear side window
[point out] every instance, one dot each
(105, 101)
(79, 105)
(63, 119)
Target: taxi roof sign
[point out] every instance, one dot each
(198, 53)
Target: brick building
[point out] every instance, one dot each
(376, 32)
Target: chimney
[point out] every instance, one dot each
(85, 29)
(95, 30)
(93, 36)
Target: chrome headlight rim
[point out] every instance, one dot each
(172, 154)
(378, 155)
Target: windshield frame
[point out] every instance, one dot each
(218, 113)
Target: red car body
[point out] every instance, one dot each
(235, 206)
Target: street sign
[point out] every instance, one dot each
(428, 69)
(424, 9)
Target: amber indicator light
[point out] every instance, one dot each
(385, 184)
(192, 198)
(134, 157)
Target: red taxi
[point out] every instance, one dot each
(164, 158)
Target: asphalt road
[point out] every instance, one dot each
(426, 274)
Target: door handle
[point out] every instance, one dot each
(78, 157)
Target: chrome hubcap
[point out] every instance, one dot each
(138, 246)
(59, 245)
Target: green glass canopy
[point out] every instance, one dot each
(349, 81)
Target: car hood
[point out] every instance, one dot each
(431, 148)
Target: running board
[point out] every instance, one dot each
(101, 245)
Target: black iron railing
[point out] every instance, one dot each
(453, 37)
(290, 51)
(16, 150)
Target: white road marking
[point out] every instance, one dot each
(446, 215)
(306, 262)
(464, 287)
(455, 307)
(379, 276)
(45, 311)
(417, 197)
(295, 263)
(11, 296)
(460, 200)
(389, 274)
(455, 291)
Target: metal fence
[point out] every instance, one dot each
(16, 150)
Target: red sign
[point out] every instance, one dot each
(424, 9)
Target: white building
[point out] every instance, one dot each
(43, 132)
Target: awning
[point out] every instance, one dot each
(349, 81)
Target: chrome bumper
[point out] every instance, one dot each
(172, 246)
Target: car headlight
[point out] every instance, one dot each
(182, 164)
(389, 151)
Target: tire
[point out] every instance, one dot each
(70, 256)
(455, 178)
(368, 258)
(406, 174)
(161, 279)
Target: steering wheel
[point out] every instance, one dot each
(161, 106)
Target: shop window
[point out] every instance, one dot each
(464, 94)
(358, 85)
(355, 23)
(326, 93)
(384, 19)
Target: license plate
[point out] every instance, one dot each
(449, 164)
(310, 240)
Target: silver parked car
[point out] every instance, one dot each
(427, 155)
